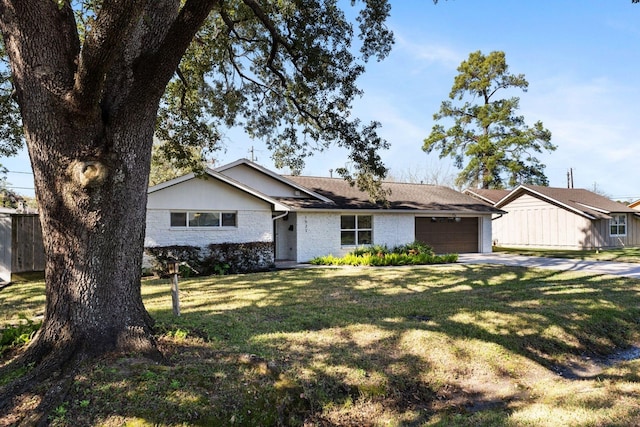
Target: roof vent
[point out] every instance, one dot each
(297, 192)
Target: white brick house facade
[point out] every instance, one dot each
(253, 226)
(303, 217)
(319, 233)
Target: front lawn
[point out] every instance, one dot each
(425, 346)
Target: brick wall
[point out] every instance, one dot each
(319, 233)
(253, 226)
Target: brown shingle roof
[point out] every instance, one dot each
(581, 201)
(491, 196)
(403, 197)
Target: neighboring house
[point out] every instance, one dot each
(306, 217)
(635, 205)
(562, 218)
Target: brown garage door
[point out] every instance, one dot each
(445, 235)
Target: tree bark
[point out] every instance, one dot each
(93, 214)
(89, 117)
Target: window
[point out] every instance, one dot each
(203, 219)
(356, 230)
(618, 225)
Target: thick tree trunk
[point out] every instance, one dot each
(93, 204)
(89, 116)
(91, 174)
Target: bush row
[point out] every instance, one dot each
(214, 259)
(416, 253)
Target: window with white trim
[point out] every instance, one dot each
(356, 230)
(203, 219)
(618, 225)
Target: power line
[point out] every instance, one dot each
(19, 188)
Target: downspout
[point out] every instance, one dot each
(494, 242)
(274, 219)
(280, 216)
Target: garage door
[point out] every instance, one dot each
(446, 235)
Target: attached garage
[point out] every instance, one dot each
(449, 235)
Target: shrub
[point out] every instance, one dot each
(215, 259)
(162, 255)
(414, 248)
(326, 260)
(19, 335)
(415, 253)
(370, 250)
(241, 257)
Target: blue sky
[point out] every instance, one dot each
(581, 58)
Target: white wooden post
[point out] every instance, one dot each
(174, 268)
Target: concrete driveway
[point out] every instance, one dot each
(623, 269)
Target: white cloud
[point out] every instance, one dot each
(423, 54)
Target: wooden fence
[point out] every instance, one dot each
(21, 248)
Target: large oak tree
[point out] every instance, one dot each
(94, 80)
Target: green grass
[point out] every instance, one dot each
(427, 346)
(620, 255)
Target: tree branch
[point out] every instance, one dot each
(51, 45)
(159, 66)
(114, 22)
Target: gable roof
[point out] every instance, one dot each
(272, 175)
(210, 173)
(635, 205)
(577, 200)
(491, 196)
(416, 197)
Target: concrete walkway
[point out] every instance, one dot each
(623, 269)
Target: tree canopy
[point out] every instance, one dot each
(286, 74)
(166, 165)
(11, 134)
(492, 145)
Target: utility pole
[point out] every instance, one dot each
(570, 178)
(252, 152)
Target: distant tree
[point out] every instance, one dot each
(11, 134)
(166, 164)
(8, 197)
(599, 190)
(434, 174)
(487, 140)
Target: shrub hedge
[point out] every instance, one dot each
(416, 253)
(214, 259)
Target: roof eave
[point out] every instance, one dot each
(479, 196)
(429, 212)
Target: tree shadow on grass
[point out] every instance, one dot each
(356, 346)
